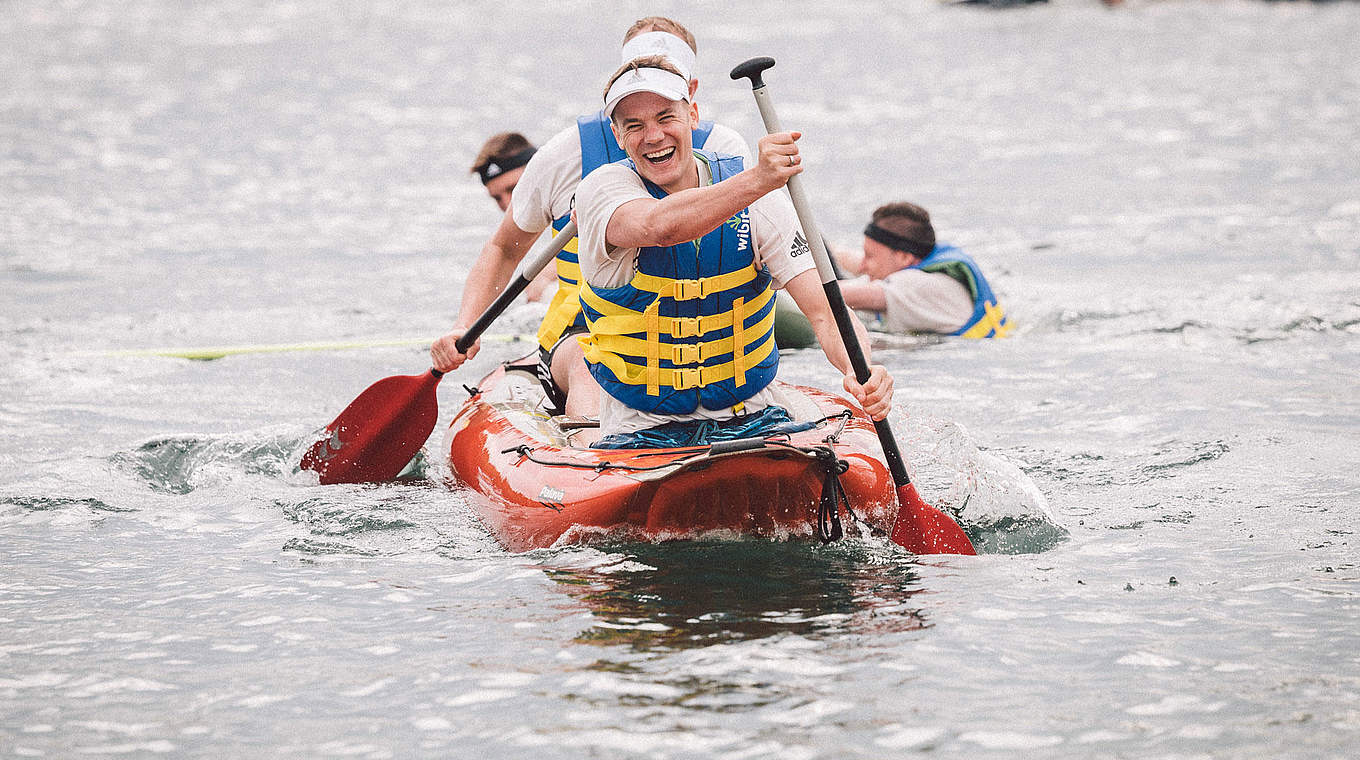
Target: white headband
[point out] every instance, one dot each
(676, 50)
(659, 81)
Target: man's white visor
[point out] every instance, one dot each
(664, 83)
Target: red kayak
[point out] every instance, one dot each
(535, 483)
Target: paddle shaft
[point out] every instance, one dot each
(752, 70)
(526, 272)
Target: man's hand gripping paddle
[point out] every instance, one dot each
(919, 527)
(380, 431)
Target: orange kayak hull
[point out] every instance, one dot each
(534, 484)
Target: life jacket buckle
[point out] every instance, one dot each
(685, 327)
(998, 318)
(687, 377)
(687, 290)
(685, 353)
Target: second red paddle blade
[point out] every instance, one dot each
(379, 432)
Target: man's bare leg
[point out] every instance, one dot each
(573, 376)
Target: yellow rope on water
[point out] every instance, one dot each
(205, 353)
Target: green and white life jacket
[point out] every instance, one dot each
(988, 320)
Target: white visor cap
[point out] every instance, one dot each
(664, 83)
(676, 51)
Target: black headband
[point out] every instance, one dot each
(495, 168)
(897, 242)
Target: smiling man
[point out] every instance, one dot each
(680, 250)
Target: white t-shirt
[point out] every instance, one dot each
(775, 235)
(918, 301)
(546, 188)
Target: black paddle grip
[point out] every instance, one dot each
(752, 70)
(846, 327)
(897, 466)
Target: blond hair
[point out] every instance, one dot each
(645, 62)
(661, 24)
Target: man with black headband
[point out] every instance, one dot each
(543, 197)
(500, 163)
(914, 284)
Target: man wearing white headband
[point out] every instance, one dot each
(680, 253)
(543, 197)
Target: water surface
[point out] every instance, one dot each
(1160, 467)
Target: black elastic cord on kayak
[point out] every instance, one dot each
(527, 452)
(829, 503)
(833, 495)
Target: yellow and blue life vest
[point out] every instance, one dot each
(598, 147)
(694, 326)
(988, 320)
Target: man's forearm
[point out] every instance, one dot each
(864, 295)
(683, 216)
(494, 267)
(808, 293)
(490, 273)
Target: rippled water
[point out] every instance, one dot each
(1160, 468)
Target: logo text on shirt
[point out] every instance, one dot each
(741, 224)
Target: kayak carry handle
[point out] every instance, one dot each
(739, 444)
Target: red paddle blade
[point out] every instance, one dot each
(923, 529)
(379, 432)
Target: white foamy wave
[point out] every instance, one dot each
(995, 501)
